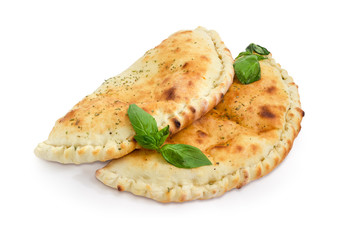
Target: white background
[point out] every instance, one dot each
(52, 54)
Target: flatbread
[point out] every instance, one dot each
(245, 136)
(177, 82)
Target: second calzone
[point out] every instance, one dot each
(177, 82)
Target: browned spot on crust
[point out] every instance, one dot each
(95, 152)
(145, 109)
(81, 151)
(166, 80)
(226, 49)
(183, 198)
(185, 65)
(176, 123)
(258, 171)
(201, 134)
(77, 122)
(267, 166)
(222, 95)
(120, 188)
(220, 146)
(266, 113)
(203, 57)
(177, 50)
(192, 109)
(271, 89)
(254, 148)
(170, 93)
(199, 141)
(246, 175)
(184, 32)
(300, 111)
(190, 83)
(110, 151)
(245, 180)
(189, 40)
(239, 148)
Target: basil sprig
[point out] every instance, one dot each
(257, 48)
(246, 65)
(148, 136)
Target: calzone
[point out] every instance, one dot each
(177, 82)
(245, 136)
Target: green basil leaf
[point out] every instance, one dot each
(147, 141)
(142, 122)
(250, 48)
(243, 54)
(184, 156)
(162, 135)
(261, 50)
(260, 57)
(257, 48)
(247, 69)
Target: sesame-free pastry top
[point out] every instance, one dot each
(245, 136)
(177, 82)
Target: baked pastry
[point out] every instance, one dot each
(245, 136)
(177, 82)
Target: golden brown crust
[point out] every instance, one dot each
(245, 136)
(177, 82)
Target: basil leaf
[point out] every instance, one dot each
(247, 69)
(142, 122)
(257, 48)
(147, 142)
(243, 54)
(250, 48)
(184, 156)
(260, 57)
(261, 50)
(162, 135)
